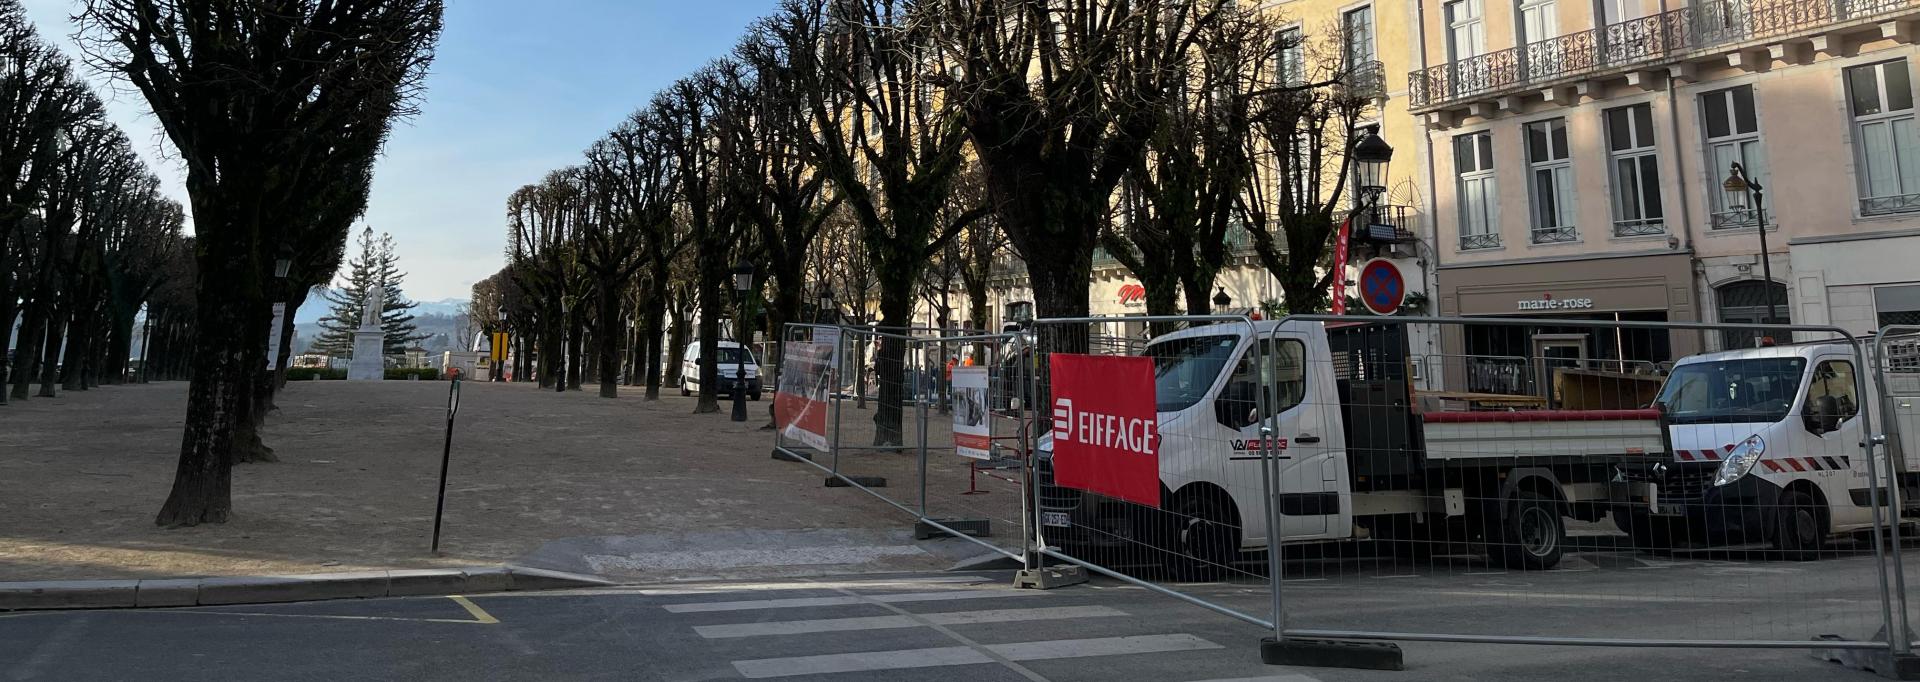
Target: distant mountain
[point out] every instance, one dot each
(316, 307)
(439, 319)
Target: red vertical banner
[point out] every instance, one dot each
(1340, 266)
(1106, 432)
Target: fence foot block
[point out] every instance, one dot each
(867, 481)
(1049, 577)
(786, 455)
(1876, 661)
(1331, 653)
(979, 528)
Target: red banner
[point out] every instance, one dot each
(800, 401)
(1340, 266)
(1106, 433)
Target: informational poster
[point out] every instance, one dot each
(1106, 432)
(972, 425)
(800, 402)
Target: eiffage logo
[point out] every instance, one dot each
(1103, 430)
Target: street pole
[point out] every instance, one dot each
(740, 363)
(446, 456)
(1766, 261)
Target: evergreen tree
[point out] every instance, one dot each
(376, 265)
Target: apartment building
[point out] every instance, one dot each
(1578, 151)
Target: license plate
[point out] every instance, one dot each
(1056, 519)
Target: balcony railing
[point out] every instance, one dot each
(1639, 227)
(1899, 203)
(1470, 242)
(1734, 220)
(1364, 80)
(1660, 37)
(1555, 235)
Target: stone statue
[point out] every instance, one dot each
(370, 312)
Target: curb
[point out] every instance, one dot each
(115, 594)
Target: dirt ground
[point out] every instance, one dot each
(82, 475)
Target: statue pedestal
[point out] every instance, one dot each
(369, 356)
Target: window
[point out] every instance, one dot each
(1466, 34)
(1551, 182)
(1356, 28)
(1473, 160)
(1749, 302)
(1292, 67)
(1280, 367)
(1831, 391)
(1538, 21)
(1886, 147)
(1897, 304)
(1616, 11)
(1733, 136)
(1635, 169)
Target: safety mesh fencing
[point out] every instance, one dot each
(1896, 351)
(1149, 462)
(1561, 480)
(885, 410)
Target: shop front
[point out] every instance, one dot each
(1520, 360)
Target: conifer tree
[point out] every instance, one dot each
(376, 264)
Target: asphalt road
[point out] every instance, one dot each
(969, 626)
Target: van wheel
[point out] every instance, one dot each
(1798, 529)
(1202, 540)
(1532, 537)
(683, 390)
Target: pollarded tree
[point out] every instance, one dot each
(1061, 99)
(253, 94)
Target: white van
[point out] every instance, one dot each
(1767, 448)
(731, 359)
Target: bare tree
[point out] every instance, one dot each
(252, 93)
(688, 111)
(1061, 99)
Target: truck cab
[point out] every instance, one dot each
(1767, 447)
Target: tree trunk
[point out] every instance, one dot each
(977, 309)
(609, 339)
(79, 351)
(50, 355)
(121, 349)
(255, 384)
(202, 482)
(284, 358)
(710, 308)
(26, 358)
(896, 317)
(576, 342)
(676, 346)
(652, 329)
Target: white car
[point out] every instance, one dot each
(732, 359)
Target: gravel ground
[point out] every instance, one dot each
(82, 475)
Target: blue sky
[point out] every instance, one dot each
(518, 88)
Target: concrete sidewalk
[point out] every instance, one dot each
(111, 594)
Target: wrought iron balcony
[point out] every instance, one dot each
(1365, 80)
(1555, 235)
(1639, 227)
(1388, 224)
(1470, 242)
(1668, 36)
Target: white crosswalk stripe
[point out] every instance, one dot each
(810, 602)
(960, 655)
(796, 627)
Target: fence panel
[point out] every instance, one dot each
(1121, 490)
(1896, 355)
(1605, 499)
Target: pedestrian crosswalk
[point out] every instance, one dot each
(905, 630)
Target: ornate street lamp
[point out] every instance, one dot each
(1371, 154)
(742, 283)
(1740, 189)
(1221, 300)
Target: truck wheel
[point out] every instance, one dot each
(1532, 537)
(1202, 540)
(1798, 529)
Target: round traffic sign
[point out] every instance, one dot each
(1382, 288)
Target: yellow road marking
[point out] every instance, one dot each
(480, 615)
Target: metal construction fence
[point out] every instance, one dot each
(1611, 483)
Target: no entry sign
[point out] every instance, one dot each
(1382, 288)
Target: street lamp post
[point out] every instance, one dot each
(500, 354)
(742, 283)
(1739, 189)
(1371, 154)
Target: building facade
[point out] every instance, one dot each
(1579, 153)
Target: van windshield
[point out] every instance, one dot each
(730, 356)
(1184, 369)
(1732, 391)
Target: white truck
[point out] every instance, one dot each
(1768, 446)
(1356, 459)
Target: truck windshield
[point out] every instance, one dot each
(1183, 369)
(1732, 391)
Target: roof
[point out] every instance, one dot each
(1801, 350)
